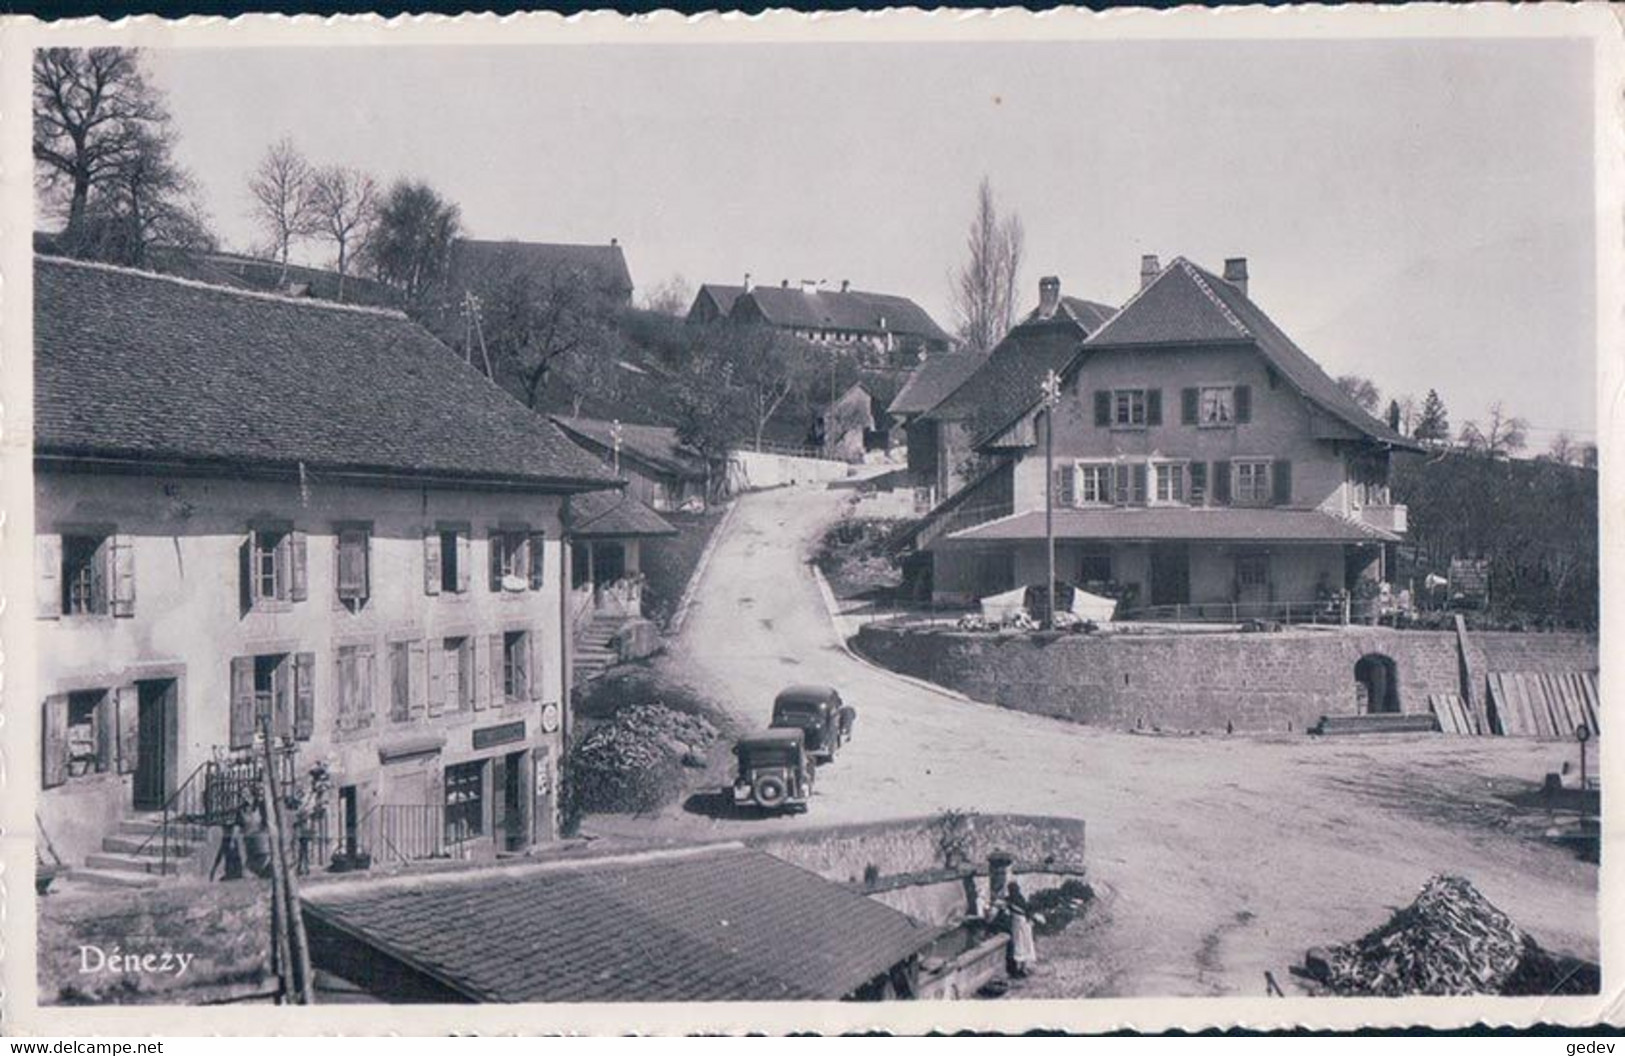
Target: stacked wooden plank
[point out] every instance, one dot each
(1453, 714)
(1539, 704)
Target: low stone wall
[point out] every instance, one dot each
(881, 849)
(755, 470)
(1247, 682)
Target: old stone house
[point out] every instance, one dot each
(1202, 459)
(255, 513)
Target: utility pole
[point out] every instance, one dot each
(615, 442)
(1051, 397)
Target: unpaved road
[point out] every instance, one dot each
(1223, 856)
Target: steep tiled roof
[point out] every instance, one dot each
(1229, 524)
(268, 276)
(1187, 304)
(129, 365)
(714, 924)
(1010, 379)
(603, 266)
(612, 514)
(934, 380)
(655, 445)
(855, 310)
(724, 296)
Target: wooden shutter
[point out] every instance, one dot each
(488, 671)
(1103, 407)
(1189, 401)
(54, 741)
(533, 664)
(121, 563)
(400, 683)
(1139, 483)
(245, 573)
(437, 676)
(418, 680)
(366, 701)
(465, 561)
(1065, 486)
(1120, 484)
(498, 544)
(353, 545)
(1244, 403)
(1153, 407)
(298, 570)
(242, 702)
(1281, 482)
(304, 695)
(282, 700)
(127, 707)
(538, 560)
(1221, 483)
(48, 581)
(431, 562)
(100, 574)
(106, 723)
(1198, 494)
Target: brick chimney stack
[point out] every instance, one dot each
(748, 286)
(1049, 296)
(1150, 268)
(1235, 273)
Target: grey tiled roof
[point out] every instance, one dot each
(602, 265)
(612, 515)
(717, 924)
(655, 445)
(1227, 524)
(855, 310)
(130, 365)
(932, 381)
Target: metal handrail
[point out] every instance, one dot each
(193, 803)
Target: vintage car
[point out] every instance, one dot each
(775, 772)
(818, 712)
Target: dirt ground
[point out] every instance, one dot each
(1218, 857)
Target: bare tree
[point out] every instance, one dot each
(1502, 436)
(672, 297)
(984, 288)
(345, 204)
(103, 153)
(1362, 391)
(1563, 449)
(283, 187)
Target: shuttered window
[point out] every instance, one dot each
(1094, 484)
(354, 566)
(1252, 484)
(516, 665)
(86, 574)
(447, 561)
(354, 687)
(274, 567)
(79, 736)
(510, 560)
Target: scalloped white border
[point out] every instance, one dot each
(18, 1010)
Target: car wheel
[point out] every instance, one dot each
(770, 790)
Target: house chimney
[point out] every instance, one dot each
(1049, 296)
(1149, 269)
(846, 284)
(784, 284)
(1235, 273)
(614, 241)
(748, 286)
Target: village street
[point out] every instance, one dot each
(1221, 857)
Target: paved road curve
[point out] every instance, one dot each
(1224, 856)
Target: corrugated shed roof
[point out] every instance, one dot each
(612, 514)
(717, 924)
(1212, 524)
(604, 266)
(856, 310)
(133, 365)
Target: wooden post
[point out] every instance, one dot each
(294, 922)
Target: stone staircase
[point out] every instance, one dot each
(128, 859)
(595, 648)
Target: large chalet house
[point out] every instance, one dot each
(1201, 459)
(260, 520)
(887, 330)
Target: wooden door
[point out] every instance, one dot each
(154, 725)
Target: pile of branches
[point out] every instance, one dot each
(634, 762)
(1450, 941)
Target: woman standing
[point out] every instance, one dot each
(1023, 950)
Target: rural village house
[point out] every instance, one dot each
(888, 330)
(1201, 459)
(952, 400)
(600, 270)
(237, 526)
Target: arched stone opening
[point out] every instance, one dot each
(1377, 679)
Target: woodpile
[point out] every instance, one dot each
(1451, 940)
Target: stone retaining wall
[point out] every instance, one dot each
(1280, 682)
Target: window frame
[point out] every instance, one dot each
(100, 703)
(516, 673)
(1261, 492)
(1102, 475)
(1181, 480)
(1202, 421)
(94, 566)
(355, 602)
(1118, 407)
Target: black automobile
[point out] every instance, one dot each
(774, 773)
(820, 714)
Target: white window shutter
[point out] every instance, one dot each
(121, 563)
(431, 562)
(48, 576)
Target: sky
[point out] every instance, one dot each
(1418, 212)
